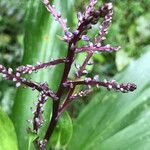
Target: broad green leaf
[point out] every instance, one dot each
(32, 138)
(8, 138)
(117, 121)
(41, 44)
(63, 132)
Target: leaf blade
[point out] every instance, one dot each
(8, 138)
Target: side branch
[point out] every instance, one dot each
(9, 75)
(97, 48)
(108, 84)
(90, 8)
(106, 23)
(81, 69)
(29, 68)
(38, 118)
(70, 98)
(81, 94)
(56, 15)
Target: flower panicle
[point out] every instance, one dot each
(95, 44)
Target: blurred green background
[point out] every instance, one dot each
(130, 29)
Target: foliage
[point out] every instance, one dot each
(8, 138)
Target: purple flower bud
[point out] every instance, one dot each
(30, 71)
(91, 44)
(14, 79)
(105, 81)
(113, 81)
(18, 84)
(121, 89)
(65, 20)
(98, 44)
(71, 86)
(85, 72)
(37, 120)
(69, 34)
(118, 48)
(46, 2)
(76, 32)
(10, 71)
(77, 66)
(96, 78)
(38, 63)
(1, 66)
(107, 46)
(85, 38)
(59, 15)
(87, 79)
(131, 87)
(97, 85)
(109, 86)
(18, 74)
(109, 5)
(90, 63)
(103, 38)
(80, 16)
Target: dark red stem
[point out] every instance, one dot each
(68, 63)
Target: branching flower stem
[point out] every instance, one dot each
(72, 39)
(69, 58)
(85, 22)
(29, 68)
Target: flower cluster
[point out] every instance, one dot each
(86, 21)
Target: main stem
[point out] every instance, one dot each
(68, 63)
(67, 101)
(59, 93)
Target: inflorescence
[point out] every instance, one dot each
(86, 20)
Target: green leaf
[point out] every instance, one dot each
(8, 138)
(41, 44)
(117, 121)
(32, 138)
(63, 132)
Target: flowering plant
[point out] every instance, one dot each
(86, 20)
